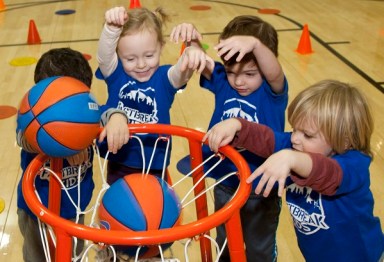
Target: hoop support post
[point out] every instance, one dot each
(63, 246)
(201, 202)
(54, 198)
(234, 229)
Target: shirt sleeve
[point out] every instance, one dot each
(106, 115)
(256, 138)
(106, 52)
(325, 177)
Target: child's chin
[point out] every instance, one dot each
(143, 77)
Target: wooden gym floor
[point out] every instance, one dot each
(347, 40)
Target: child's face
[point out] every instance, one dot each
(306, 137)
(244, 78)
(140, 54)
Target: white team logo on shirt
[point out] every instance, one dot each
(139, 104)
(236, 107)
(70, 174)
(305, 206)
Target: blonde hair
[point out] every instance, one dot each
(140, 19)
(339, 110)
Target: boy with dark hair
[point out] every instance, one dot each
(56, 62)
(250, 84)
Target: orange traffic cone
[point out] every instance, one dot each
(304, 46)
(134, 4)
(2, 5)
(33, 34)
(182, 48)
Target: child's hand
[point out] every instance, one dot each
(116, 16)
(79, 158)
(236, 44)
(186, 32)
(116, 131)
(222, 133)
(275, 169)
(195, 58)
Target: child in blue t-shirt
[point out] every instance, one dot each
(129, 53)
(248, 83)
(56, 62)
(324, 166)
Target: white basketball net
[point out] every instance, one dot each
(104, 252)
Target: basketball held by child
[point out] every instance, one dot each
(140, 202)
(59, 117)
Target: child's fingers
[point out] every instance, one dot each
(172, 36)
(197, 35)
(281, 189)
(102, 135)
(262, 182)
(121, 16)
(205, 137)
(269, 186)
(176, 34)
(203, 62)
(116, 16)
(184, 63)
(254, 175)
(239, 56)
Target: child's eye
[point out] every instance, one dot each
(149, 56)
(308, 136)
(130, 59)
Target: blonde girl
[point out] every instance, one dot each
(139, 88)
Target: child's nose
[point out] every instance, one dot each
(239, 80)
(141, 63)
(295, 138)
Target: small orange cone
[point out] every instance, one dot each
(134, 4)
(33, 34)
(304, 46)
(182, 48)
(2, 5)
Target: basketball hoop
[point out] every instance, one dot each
(64, 229)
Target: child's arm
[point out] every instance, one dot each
(116, 130)
(256, 138)
(22, 142)
(187, 33)
(106, 53)
(319, 172)
(192, 38)
(266, 60)
(79, 158)
(192, 59)
(278, 167)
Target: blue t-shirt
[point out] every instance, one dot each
(262, 106)
(341, 227)
(70, 181)
(143, 102)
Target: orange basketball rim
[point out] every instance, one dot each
(229, 214)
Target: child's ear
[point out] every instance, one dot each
(347, 144)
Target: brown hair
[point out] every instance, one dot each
(63, 62)
(250, 25)
(339, 110)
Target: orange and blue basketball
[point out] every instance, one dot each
(59, 117)
(140, 202)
